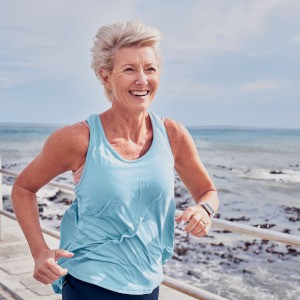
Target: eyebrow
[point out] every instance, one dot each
(132, 64)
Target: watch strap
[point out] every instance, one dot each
(208, 208)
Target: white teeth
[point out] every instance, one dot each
(139, 93)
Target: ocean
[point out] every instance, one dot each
(257, 174)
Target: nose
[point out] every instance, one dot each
(142, 78)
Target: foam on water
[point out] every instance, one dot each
(288, 176)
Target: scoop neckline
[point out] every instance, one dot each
(116, 153)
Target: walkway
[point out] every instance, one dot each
(16, 265)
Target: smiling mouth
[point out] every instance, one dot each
(139, 93)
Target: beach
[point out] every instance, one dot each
(257, 174)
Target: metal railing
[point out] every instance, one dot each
(267, 234)
(185, 288)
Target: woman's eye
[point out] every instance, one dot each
(129, 70)
(151, 70)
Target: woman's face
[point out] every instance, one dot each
(134, 79)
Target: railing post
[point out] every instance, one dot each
(1, 204)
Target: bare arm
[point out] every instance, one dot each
(195, 177)
(64, 150)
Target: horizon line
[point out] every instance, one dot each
(246, 127)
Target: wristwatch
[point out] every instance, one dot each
(208, 208)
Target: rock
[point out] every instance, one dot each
(247, 245)
(181, 250)
(243, 218)
(276, 172)
(52, 198)
(219, 177)
(59, 216)
(184, 239)
(272, 250)
(195, 274)
(294, 166)
(292, 251)
(222, 231)
(231, 258)
(223, 263)
(175, 256)
(217, 245)
(221, 166)
(66, 201)
(264, 225)
(178, 194)
(217, 216)
(294, 211)
(47, 217)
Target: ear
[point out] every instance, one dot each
(104, 74)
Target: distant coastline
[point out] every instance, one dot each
(192, 127)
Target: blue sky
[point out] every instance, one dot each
(225, 62)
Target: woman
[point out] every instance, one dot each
(119, 231)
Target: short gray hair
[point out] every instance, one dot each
(120, 35)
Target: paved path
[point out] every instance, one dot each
(16, 265)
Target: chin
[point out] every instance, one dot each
(142, 108)
(142, 105)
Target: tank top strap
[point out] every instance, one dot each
(95, 135)
(161, 130)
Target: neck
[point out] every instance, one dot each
(129, 126)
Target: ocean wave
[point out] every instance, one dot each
(289, 176)
(47, 192)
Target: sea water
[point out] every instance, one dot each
(257, 174)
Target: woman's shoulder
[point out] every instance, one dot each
(178, 135)
(175, 129)
(79, 130)
(75, 137)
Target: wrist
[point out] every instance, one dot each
(208, 208)
(38, 250)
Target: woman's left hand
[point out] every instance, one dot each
(196, 219)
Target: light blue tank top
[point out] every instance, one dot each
(121, 224)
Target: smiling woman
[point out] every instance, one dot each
(119, 231)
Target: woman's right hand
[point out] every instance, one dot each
(46, 269)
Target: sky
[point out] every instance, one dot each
(225, 62)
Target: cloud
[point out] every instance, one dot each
(297, 39)
(10, 79)
(262, 85)
(207, 30)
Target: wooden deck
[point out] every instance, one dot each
(16, 265)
